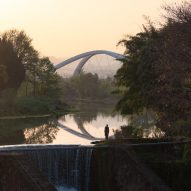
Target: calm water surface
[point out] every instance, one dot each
(81, 127)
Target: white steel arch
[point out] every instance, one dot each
(86, 56)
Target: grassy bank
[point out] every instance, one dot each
(32, 106)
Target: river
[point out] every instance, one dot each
(77, 128)
(80, 127)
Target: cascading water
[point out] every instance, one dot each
(87, 169)
(68, 168)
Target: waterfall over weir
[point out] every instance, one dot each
(65, 166)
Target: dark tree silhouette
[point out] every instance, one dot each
(12, 70)
(157, 71)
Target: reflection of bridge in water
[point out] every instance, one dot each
(84, 133)
(85, 57)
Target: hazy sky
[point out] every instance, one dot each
(63, 28)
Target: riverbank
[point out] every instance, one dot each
(140, 165)
(29, 107)
(25, 107)
(25, 116)
(27, 130)
(86, 119)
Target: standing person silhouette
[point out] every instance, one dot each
(106, 130)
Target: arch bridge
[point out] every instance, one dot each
(85, 57)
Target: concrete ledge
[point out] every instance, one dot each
(17, 173)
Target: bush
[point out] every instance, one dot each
(35, 105)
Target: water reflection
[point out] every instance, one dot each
(42, 134)
(78, 128)
(88, 124)
(83, 131)
(11, 130)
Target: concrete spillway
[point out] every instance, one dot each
(63, 165)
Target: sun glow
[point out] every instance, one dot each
(64, 28)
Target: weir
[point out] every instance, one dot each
(64, 166)
(85, 168)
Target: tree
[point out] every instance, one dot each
(86, 85)
(3, 75)
(157, 71)
(47, 76)
(136, 72)
(12, 71)
(40, 72)
(22, 45)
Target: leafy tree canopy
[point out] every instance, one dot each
(11, 69)
(22, 45)
(40, 78)
(156, 73)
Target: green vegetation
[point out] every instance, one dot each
(12, 71)
(155, 81)
(88, 86)
(40, 76)
(28, 83)
(156, 74)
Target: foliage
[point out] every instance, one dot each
(182, 128)
(22, 45)
(87, 86)
(7, 101)
(40, 73)
(33, 77)
(128, 132)
(35, 105)
(157, 71)
(47, 78)
(135, 74)
(3, 75)
(12, 71)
